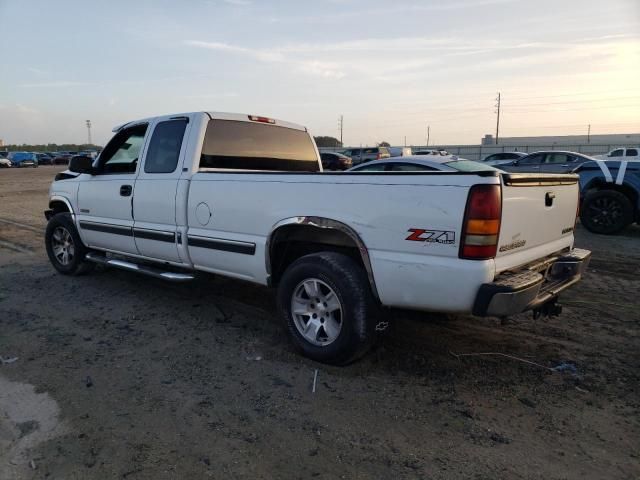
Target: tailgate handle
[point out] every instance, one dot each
(548, 199)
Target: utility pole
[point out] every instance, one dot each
(89, 132)
(589, 134)
(428, 134)
(341, 124)
(405, 140)
(498, 121)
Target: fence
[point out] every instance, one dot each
(478, 152)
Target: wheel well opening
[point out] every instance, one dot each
(58, 207)
(291, 242)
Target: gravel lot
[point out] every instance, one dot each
(122, 376)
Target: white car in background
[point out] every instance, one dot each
(442, 153)
(422, 164)
(621, 153)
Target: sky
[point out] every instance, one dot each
(391, 68)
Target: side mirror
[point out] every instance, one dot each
(81, 164)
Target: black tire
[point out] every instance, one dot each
(606, 212)
(56, 239)
(358, 309)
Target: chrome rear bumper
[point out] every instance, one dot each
(532, 287)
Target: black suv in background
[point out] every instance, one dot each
(335, 161)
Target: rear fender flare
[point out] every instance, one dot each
(328, 223)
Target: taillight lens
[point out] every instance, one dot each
(481, 225)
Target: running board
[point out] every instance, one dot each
(134, 267)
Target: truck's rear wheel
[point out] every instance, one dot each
(326, 302)
(606, 212)
(65, 249)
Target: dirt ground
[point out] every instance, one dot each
(114, 375)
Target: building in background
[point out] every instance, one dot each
(566, 140)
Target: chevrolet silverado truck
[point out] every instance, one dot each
(245, 196)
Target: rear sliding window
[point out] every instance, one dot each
(237, 145)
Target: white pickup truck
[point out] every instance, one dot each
(622, 153)
(244, 196)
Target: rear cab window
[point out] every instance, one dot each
(237, 145)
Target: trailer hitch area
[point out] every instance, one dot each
(549, 309)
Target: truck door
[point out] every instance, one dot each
(154, 202)
(105, 206)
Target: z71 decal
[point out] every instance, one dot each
(431, 236)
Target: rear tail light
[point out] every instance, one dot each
(481, 224)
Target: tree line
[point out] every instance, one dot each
(51, 147)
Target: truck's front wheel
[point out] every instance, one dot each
(326, 302)
(65, 249)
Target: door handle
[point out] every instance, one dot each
(533, 166)
(125, 190)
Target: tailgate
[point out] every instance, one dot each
(538, 216)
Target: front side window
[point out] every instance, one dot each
(617, 153)
(164, 147)
(235, 145)
(122, 152)
(559, 158)
(532, 159)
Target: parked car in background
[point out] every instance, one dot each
(361, 155)
(23, 159)
(89, 153)
(62, 159)
(436, 152)
(5, 162)
(552, 161)
(399, 151)
(503, 158)
(44, 159)
(423, 164)
(609, 195)
(335, 161)
(621, 153)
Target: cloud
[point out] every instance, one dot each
(235, 3)
(37, 71)
(57, 84)
(311, 67)
(391, 11)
